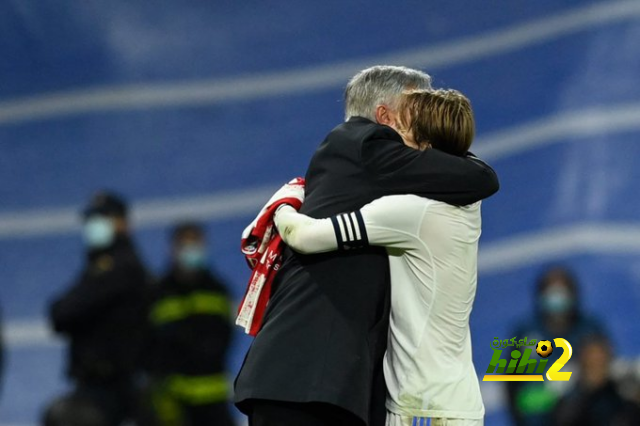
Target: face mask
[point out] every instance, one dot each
(192, 258)
(556, 302)
(99, 232)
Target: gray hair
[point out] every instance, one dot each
(380, 85)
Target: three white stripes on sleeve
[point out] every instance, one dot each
(350, 231)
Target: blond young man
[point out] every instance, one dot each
(432, 249)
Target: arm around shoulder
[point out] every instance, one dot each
(434, 174)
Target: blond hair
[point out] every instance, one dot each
(441, 118)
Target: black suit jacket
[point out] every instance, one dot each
(325, 329)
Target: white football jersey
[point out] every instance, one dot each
(433, 255)
(433, 252)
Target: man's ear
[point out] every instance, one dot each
(384, 116)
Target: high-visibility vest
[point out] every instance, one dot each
(175, 308)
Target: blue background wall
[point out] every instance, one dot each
(199, 109)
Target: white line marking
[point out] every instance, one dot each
(258, 86)
(29, 333)
(558, 243)
(493, 396)
(220, 206)
(146, 214)
(559, 128)
(504, 255)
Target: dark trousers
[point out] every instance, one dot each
(279, 413)
(207, 415)
(91, 404)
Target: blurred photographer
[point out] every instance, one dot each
(102, 316)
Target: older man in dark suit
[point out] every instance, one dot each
(318, 357)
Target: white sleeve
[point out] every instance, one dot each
(393, 221)
(388, 222)
(304, 234)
